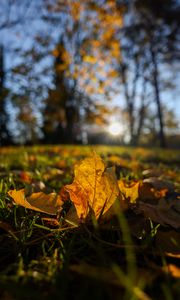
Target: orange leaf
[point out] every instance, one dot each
(46, 203)
(173, 270)
(94, 187)
(26, 176)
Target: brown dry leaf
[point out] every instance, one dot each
(94, 187)
(151, 173)
(165, 212)
(129, 191)
(147, 192)
(50, 222)
(159, 184)
(46, 203)
(139, 190)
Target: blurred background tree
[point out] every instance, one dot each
(74, 68)
(5, 137)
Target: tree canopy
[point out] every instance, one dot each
(73, 67)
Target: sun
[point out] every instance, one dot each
(115, 128)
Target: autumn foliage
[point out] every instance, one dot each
(95, 190)
(108, 215)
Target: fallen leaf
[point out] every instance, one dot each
(151, 173)
(164, 212)
(139, 190)
(147, 192)
(46, 203)
(173, 270)
(94, 187)
(129, 191)
(159, 183)
(26, 176)
(50, 222)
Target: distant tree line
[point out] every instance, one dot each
(79, 57)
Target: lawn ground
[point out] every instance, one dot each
(128, 256)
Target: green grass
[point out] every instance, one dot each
(118, 259)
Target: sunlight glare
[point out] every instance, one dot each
(115, 129)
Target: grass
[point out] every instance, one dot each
(123, 258)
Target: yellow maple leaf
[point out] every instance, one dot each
(46, 203)
(129, 191)
(94, 187)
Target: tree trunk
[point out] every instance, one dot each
(129, 103)
(142, 112)
(157, 98)
(5, 138)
